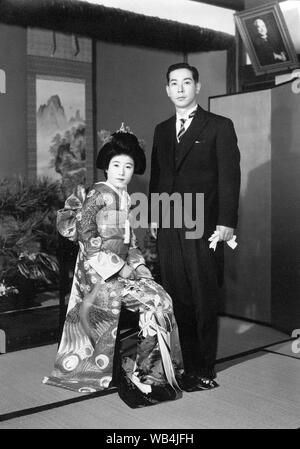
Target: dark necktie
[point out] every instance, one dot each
(182, 127)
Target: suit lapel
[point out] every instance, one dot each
(193, 132)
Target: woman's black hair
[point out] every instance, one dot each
(122, 143)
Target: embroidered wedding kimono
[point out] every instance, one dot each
(85, 357)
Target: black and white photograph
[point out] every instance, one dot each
(266, 38)
(149, 218)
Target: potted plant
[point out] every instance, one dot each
(28, 237)
(8, 296)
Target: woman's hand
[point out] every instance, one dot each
(127, 272)
(143, 272)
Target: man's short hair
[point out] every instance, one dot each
(259, 20)
(183, 65)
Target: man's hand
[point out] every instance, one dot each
(225, 233)
(127, 272)
(143, 272)
(281, 56)
(153, 230)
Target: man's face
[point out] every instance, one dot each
(182, 89)
(261, 27)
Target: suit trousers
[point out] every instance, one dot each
(190, 273)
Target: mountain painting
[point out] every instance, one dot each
(60, 119)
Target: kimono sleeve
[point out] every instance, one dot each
(105, 263)
(66, 218)
(135, 257)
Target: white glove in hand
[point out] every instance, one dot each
(215, 238)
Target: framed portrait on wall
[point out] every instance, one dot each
(266, 38)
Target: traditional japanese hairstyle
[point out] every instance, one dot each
(123, 141)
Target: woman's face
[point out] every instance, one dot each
(120, 170)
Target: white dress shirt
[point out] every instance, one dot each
(188, 120)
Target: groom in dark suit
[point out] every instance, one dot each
(195, 151)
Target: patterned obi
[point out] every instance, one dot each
(111, 229)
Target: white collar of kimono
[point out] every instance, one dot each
(123, 195)
(121, 192)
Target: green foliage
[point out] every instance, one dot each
(28, 236)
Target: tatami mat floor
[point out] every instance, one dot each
(257, 370)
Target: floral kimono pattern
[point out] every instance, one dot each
(85, 358)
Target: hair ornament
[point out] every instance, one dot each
(106, 136)
(124, 129)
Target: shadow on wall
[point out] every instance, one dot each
(248, 273)
(286, 215)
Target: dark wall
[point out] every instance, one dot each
(212, 72)
(13, 142)
(131, 89)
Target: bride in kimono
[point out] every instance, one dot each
(111, 273)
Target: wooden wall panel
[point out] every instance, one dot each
(13, 154)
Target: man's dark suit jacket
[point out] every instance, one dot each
(265, 48)
(208, 163)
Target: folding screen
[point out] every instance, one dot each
(262, 274)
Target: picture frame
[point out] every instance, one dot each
(266, 39)
(72, 82)
(60, 128)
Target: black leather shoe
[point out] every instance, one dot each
(206, 384)
(189, 383)
(192, 382)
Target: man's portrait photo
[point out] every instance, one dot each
(266, 39)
